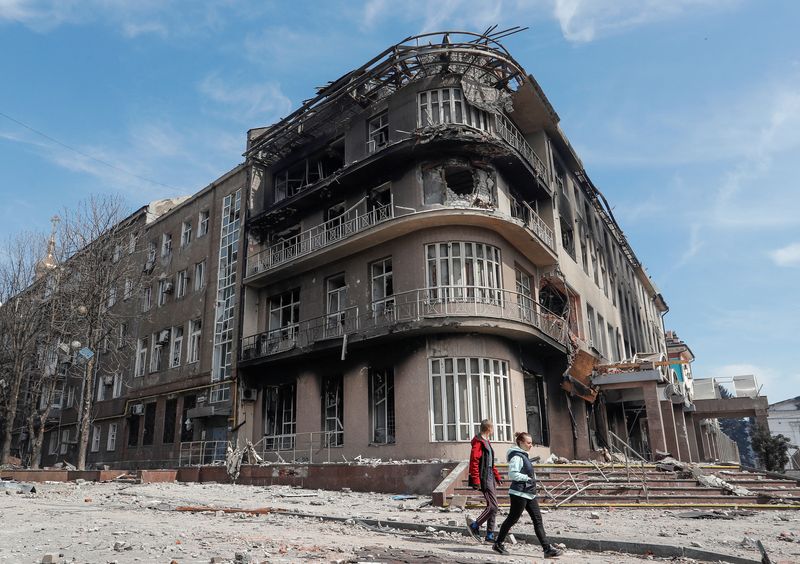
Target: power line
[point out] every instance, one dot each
(88, 156)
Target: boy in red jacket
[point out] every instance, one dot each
(483, 476)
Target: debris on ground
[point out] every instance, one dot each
(11, 486)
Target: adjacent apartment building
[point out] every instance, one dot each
(426, 250)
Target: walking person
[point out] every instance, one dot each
(522, 493)
(484, 476)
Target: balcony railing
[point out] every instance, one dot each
(509, 133)
(318, 237)
(533, 222)
(414, 305)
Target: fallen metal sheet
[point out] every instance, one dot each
(17, 487)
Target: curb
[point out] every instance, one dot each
(575, 543)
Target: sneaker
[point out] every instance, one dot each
(491, 536)
(473, 529)
(500, 548)
(551, 551)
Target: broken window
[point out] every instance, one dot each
(141, 357)
(459, 180)
(465, 391)
(334, 222)
(381, 385)
(333, 410)
(176, 347)
(382, 287)
(186, 424)
(170, 414)
(378, 199)
(524, 294)
(593, 342)
(568, 238)
(306, 172)
(446, 105)
(284, 315)
(133, 430)
(378, 132)
(280, 417)
(149, 423)
(111, 441)
(464, 271)
(336, 303)
(96, 438)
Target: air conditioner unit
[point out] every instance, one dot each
(163, 337)
(108, 380)
(169, 287)
(148, 266)
(249, 394)
(137, 409)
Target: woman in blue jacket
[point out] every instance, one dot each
(522, 493)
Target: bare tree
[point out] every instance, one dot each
(97, 269)
(23, 306)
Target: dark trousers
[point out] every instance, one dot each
(518, 505)
(490, 512)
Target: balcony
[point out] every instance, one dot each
(316, 238)
(509, 133)
(408, 307)
(532, 221)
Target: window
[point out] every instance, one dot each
(584, 259)
(149, 423)
(133, 431)
(166, 244)
(524, 294)
(186, 233)
(111, 441)
(195, 330)
(335, 305)
(116, 390)
(176, 344)
(220, 393)
(280, 416)
(141, 357)
(567, 238)
(465, 391)
(333, 410)
(122, 334)
(382, 287)
(116, 254)
(170, 414)
(189, 402)
(151, 254)
(284, 315)
(595, 271)
(164, 287)
(101, 388)
(601, 334)
(52, 443)
(112, 297)
(306, 172)
(378, 132)
(183, 282)
(159, 339)
(71, 397)
(613, 350)
(381, 386)
(446, 105)
(131, 243)
(127, 289)
(95, 438)
(147, 298)
(593, 341)
(202, 223)
(65, 440)
(199, 275)
(463, 271)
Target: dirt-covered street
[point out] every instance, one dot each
(102, 523)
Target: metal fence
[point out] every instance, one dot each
(414, 305)
(201, 453)
(299, 447)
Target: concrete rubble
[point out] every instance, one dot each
(130, 523)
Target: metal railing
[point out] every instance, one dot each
(525, 213)
(414, 305)
(509, 133)
(318, 237)
(201, 453)
(300, 447)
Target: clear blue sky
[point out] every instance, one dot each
(686, 114)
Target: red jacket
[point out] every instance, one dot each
(476, 477)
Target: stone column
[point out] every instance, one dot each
(670, 433)
(692, 435)
(683, 438)
(655, 424)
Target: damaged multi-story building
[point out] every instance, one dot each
(425, 250)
